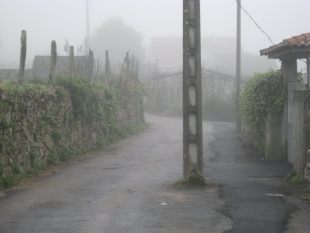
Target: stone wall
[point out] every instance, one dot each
(37, 128)
(273, 143)
(307, 167)
(301, 132)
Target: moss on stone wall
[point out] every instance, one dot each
(42, 124)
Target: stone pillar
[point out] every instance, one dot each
(23, 52)
(273, 142)
(289, 66)
(90, 65)
(301, 130)
(192, 116)
(53, 60)
(71, 64)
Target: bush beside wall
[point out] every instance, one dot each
(42, 124)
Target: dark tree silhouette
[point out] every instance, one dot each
(118, 38)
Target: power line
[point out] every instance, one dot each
(260, 27)
(254, 21)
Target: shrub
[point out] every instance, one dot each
(66, 154)
(56, 135)
(52, 158)
(35, 80)
(60, 93)
(263, 93)
(85, 101)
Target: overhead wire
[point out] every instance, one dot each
(259, 26)
(254, 21)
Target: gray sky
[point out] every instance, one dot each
(47, 20)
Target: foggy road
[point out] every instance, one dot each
(127, 188)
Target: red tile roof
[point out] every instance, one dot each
(302, 40)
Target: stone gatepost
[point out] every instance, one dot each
(301, 131)
(288, 51)
(23, 52)
(192, 113)
(273, 140)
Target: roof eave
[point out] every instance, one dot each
(288, 52)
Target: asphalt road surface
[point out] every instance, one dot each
(128, 189)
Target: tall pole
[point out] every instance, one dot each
(87, 20)
(87, 41)
(238, 68)
(192, 113)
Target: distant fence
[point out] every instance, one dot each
(12, 74)
(41, 68)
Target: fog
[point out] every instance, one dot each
(47, 20)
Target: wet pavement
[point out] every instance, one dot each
(128, 189)
(252, 206)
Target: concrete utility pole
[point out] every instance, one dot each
(87, 19)
(238, 68)
(192, 112)
(87, 42)
(23, 52)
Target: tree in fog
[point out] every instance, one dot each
(117, 37)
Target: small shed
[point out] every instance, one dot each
(288, 51)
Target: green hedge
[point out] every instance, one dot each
(263, 93)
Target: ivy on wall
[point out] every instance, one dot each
(263, 93)
(94, 105)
